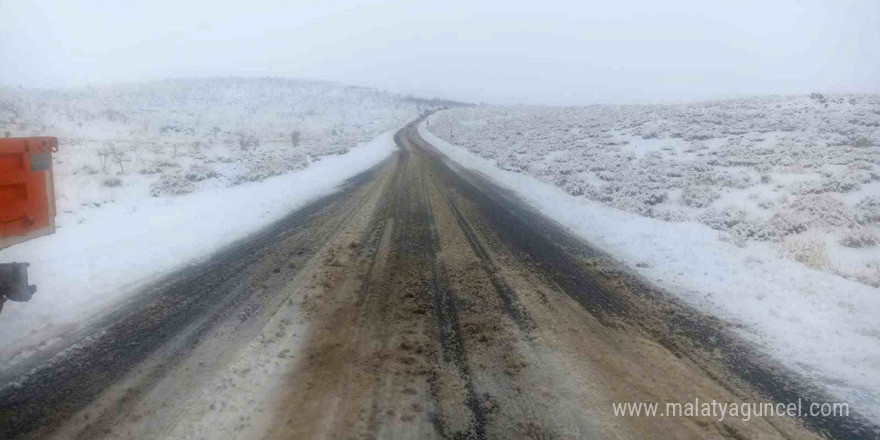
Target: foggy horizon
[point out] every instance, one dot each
(273, 219)
(548, 53)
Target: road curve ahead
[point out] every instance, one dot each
(420, 301)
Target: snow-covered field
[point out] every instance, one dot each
(767, 254)
(176, 137)
(188, 166)
(800, 173)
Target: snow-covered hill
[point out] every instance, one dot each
(175, 137)
(801, 174)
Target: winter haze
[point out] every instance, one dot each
(440, 220)
(540, 52)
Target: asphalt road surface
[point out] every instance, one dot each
(420, 301)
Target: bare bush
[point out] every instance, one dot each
(722, 220)
(669, 215)
(265, 165)
(86, 170)
(247, 141)
(860, 238)
(867, 211)
(699, 196)
(119, 158)
(839, 184)
(112, 182)
(174, 184)
(574, 188)
(869, 276)
(104, 156)
(811, 253)
(149, 169)
(862, 142)
(814, 210)
(198, 173)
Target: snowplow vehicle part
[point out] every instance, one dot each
(14, 283)
(27, 205)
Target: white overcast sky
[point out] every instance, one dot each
(540, 52)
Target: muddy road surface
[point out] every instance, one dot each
(419, 301)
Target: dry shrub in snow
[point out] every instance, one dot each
(868, 210)
(87, 170)
(112, 182)
(149, 169)
(811, 253)
(870, 275)
(740, 228)
(724, 219)
(198, 173)
(173, 184)
(157, 166)
(860, 238)
(574, 188)
(839, 184)
(862, 142)
(699, 196)
(656, 198)
(812, 210)
(669, 215)
(268, 165)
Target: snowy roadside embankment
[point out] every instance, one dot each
(89, 265)
(821, 325)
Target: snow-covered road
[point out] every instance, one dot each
(419, 300)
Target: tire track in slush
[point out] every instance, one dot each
(416, 237)
(506, 294)
(445, 308)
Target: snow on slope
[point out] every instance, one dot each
(123, 246)
(802, 173)
(821, 325)
(175, 137)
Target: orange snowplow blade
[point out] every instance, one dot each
(27, 194)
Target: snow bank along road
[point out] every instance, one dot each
(420, 301)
